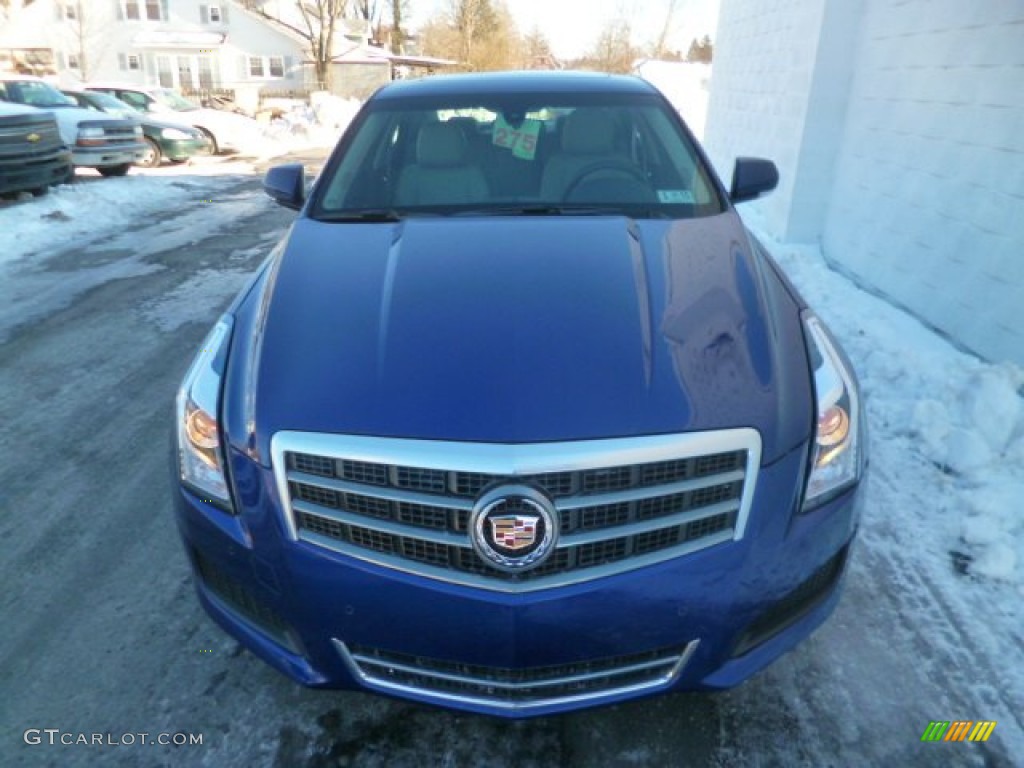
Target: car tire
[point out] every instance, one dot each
(214, 149)
(40, 191)
(115, 170)
(153, 155)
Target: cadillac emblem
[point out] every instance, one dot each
(513, 528)
(33, 137)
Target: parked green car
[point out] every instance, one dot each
(173, 141)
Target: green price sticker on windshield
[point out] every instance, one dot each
(522, 140)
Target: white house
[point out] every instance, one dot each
(183, 44)
(898, 129)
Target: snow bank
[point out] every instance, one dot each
(946, 429)
(302, 127)
(685, 85)
(77, 212)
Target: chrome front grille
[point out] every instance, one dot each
(14, 134)
(519, 689)
(620, 503)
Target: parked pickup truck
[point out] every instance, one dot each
(32, 155)
(110, 145)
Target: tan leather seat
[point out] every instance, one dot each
(588, 140)
(442, 173)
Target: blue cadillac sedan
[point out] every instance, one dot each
(519, 418)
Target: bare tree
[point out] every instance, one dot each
(613, 50)
(398, 11)
(87, 36)
(371, 11)
(480, 34)
(319, 18)
(666, 29)
(536, 49)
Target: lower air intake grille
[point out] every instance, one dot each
(515, 689)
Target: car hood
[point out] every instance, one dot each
(69, 118)
(514, 330)
(159, 125)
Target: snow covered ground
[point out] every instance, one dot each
(929, 402)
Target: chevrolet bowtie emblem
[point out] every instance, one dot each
(33, 137)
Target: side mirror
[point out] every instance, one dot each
(751, 178)
(286, 185)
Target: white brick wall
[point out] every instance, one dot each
(898, 128)
(928, 199)
(760, 84)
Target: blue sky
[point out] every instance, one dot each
(572, 26)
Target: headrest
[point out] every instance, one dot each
(588, 132)
(440, 144)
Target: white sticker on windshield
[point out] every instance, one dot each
(675, 196)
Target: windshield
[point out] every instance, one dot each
(174, 100)
(592, 153)
(109, 103)
(33, 93)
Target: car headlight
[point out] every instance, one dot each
(175, 134)
(200, 444)
(836, 455)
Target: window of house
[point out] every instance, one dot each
(131, 9)
(73, 62)
(215, 17)
(133, 61)
(255, 66)
(276, 66)
(163, 71)
(70, 12)
(153, 10)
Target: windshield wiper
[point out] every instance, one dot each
(365, 214)
(538, 210)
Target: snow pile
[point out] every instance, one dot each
(317, 125)
(685, 84)
(946, 430)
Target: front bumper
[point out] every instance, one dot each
(102, 157)
(34, 170)
(183, 149)
(707, 620)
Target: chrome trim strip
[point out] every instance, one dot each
(435, 535)
(662, 681)
(382, 492)
(647, 526)
(512, 587)
(648, 492)
(548, 683)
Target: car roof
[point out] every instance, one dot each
(16, 76)
(123, 86)
(501, 83)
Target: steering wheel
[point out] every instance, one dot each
(630, 171)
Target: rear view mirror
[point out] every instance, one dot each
(286, 185)
(751, 178)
